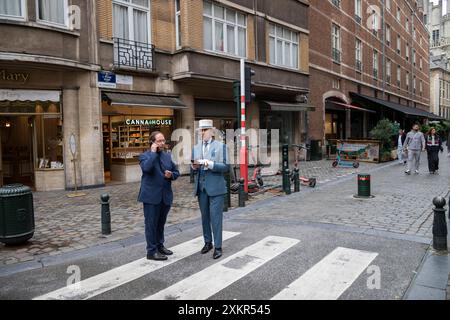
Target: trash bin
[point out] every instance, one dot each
(316, 150)
(16, 214)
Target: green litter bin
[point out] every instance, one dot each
(16, 214)
(364, 186)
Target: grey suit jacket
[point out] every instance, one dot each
(215, 184)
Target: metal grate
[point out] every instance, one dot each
(130, 54)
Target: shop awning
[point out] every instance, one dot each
(289, 106)
(397, 107)
(30, 95)
(141, 100)
(349, 106)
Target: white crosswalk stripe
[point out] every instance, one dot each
(121, 275)
(213, 279)
(330, 277)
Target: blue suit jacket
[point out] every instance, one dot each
(215, 184)
(154, 186)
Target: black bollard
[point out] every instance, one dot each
(228, 181)
(242, 193)
(191, 176)
(439, 225)
(296, 180)
(288, 182)
(106, 214)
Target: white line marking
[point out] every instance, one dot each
(330, 277)
(131, 271)
(213, 279)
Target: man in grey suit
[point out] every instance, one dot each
(209, 162)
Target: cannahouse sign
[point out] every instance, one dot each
(149, 122)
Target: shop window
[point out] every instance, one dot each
(12, 9)
(49, 142)
(53, 12)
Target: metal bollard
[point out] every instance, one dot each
(288, 181)
(191, 176)
(228, 181)
(296, 180)
(439, 225)
(106, 214)
(242, 195)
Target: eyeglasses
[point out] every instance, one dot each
(160, 141)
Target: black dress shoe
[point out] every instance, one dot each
(156, 256)
(217, 253)
(165, 251)
(208, 246)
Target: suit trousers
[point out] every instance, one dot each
(155, 219)
(212, 217)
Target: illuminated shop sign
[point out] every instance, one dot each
(149, 122)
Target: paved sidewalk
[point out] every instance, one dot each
(67, 224)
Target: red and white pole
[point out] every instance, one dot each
(243, 152)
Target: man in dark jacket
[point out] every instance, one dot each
(158, 172)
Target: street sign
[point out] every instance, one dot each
(107, 80)
(73, 144)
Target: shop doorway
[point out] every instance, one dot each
(16, 145)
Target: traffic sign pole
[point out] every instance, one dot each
(243, 152)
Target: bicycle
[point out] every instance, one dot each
(309, 182)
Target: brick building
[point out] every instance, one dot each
(372, 62)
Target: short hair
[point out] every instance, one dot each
(153, 135)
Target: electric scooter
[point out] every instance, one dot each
(309, 182)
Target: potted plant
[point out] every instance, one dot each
(385, 131)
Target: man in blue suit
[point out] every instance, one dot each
(158, 172)
(209, 163)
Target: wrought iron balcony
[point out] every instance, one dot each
(130, 54)
(336, 55)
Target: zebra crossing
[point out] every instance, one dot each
(326, 280)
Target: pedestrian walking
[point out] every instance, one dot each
(399, 144)
(434, 145)
(209, 162)
(414, 145)
(158, 172)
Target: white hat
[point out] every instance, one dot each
(205, 124)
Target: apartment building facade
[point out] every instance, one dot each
(373, 63)
(49, 95)
(195, 53)
(89, 80)
(437, 21)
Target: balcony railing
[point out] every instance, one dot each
(440, 42)
(336, 55)
(130, 54)
(358, 65)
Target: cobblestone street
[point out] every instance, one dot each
(66, 224)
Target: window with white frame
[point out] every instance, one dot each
(53, 12)
(375, 63)
(420, 63)
(358, 10)
(224, 30)
(336, 43)
(178, 23)
(407, 51)
(399, 76)
(399, 44)
(414, 84)
(399, 14)
(407, 25)
(407, 80)
(388, 35)
(388, 71)
(12, 9)
(132, 20)
(421, 87)
(283, 45)
(388, 5)
(414, 56)
(358, 54)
